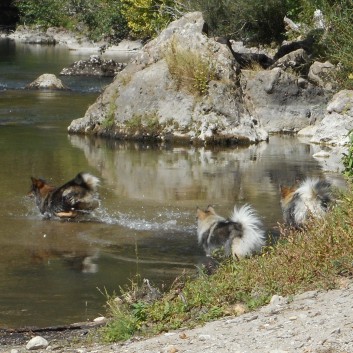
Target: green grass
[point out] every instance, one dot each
(144, 124)
(315, 258)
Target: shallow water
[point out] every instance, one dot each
(56, 272)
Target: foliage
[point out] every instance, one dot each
(122, 329)
(316, 257)
(146, 18)
(189, 69)
(103, 19)
(261, 22)
(45, 12)
(254, 21)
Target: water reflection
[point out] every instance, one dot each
(187, 177)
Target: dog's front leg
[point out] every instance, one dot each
(69, 214)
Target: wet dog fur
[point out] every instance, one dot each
(78, 195)
(242, 234)
(311, 198)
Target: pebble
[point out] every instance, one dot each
(100, 319)
(37, 342)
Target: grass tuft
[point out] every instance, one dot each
(189, 69)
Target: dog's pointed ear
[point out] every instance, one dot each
(210, 209)
(38, 183)
(199, 212)
(285, 191)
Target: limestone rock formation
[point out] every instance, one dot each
(185, 85)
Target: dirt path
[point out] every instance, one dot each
(320, 322)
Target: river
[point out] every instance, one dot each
(58, 272)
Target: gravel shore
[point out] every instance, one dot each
(315, 321)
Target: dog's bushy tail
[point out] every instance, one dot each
(88, 180)
(253, 237)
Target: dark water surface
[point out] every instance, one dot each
(55, 272)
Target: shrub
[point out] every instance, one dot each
(339, 40)
(103, 19)
(45, 13)
(254, 21)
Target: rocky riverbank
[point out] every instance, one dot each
(241, 95)
(311, 322)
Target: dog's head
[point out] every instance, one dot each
(287, 194)
(39, 188)
(203, 215)
(205, 218)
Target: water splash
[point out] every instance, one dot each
(163, 221)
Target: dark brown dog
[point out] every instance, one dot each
(79, 195)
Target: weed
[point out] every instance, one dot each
(146, 124)
(189, 69)
(134, 123)
(109, 120)
(122, 329)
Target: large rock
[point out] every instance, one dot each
(47, 81)
(147, 101)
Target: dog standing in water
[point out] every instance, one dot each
(242, 235)
(310, 199)
(79, 195)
